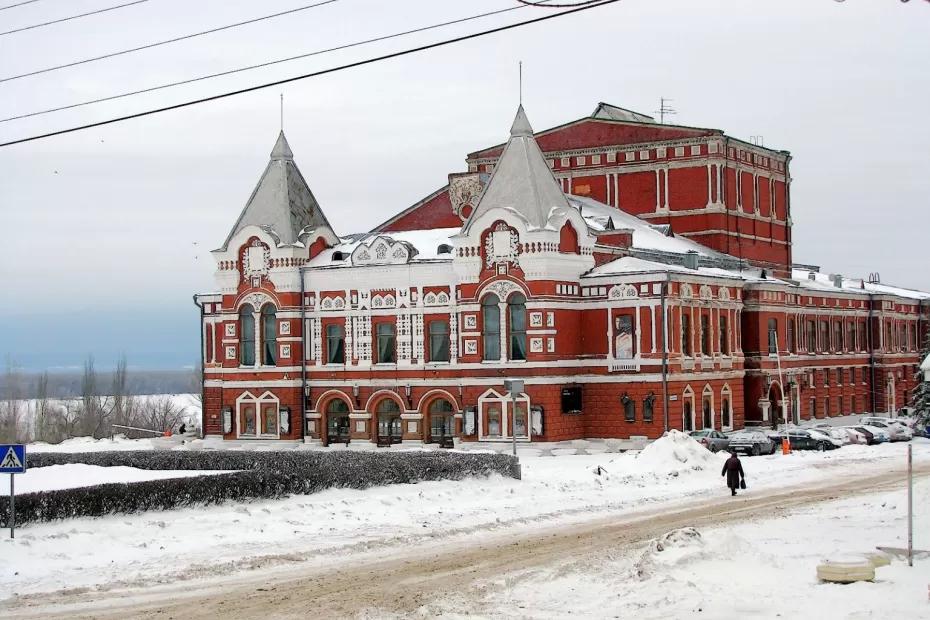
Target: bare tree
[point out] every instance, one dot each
(12, 406)
(96, 410)
(158, 414)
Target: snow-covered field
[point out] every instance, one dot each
(759, 569)
(332, 525)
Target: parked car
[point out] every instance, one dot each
(810, 440)
(881, 435)
(897, 432)
(752, 442)
(869, 436)
(853, 435)
(834, 432)
(822, 434)
(715, 441)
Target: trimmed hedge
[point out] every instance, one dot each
(260, 475)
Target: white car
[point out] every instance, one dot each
(821, 434)
(881, 434)
(853, 435)
(833, 431)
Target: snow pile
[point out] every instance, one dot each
(57, 477)
(676, 452)
(89, 444)
(673, 548)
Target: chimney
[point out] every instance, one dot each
(691, 259)
(812, 276)
(838, 280)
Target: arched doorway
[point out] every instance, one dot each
(776, 400)
(338, 423)
(441, 421)
(707, 407)
(390, 425)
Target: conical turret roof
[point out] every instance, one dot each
(522, 181)
(282, 203)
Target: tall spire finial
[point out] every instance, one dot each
(282, 111)
(520, 70)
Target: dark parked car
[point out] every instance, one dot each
(802, 440)
(714, 441)
(752, 442)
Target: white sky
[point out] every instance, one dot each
(120, 218)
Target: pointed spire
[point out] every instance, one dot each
(521, 125)
(521, 182)
(282, 149)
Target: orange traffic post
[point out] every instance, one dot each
(785, 446)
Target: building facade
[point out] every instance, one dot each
(636, 276)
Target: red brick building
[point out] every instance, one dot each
(637, 276)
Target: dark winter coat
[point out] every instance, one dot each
(733, 470)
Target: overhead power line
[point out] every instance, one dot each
(13, 6)
(269, 63)
(67, 19)
(359, 63)
(166, 41)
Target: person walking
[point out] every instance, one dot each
(733, 470)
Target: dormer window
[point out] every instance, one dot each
(338, 256)
(444, 248)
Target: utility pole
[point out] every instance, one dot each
(664, 109)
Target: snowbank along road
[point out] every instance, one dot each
(400, 581)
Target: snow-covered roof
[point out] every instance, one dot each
(645, 236)
(425, 242)
(616, 113)
(627, 265)
(282, 203)
(522, 181)
(815, 280)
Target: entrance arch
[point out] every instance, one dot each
(776, 400)
(338, 424)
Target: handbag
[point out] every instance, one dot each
(742, 483)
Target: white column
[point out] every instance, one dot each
(610, 338)
(658, 192)
(654, 319)
(617, 189)
(505, 329)
(709, 180)
(639, 335)
(666, 187)
(607, 184)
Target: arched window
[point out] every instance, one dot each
(516, 308)
(246, 335)
(568, 239)
(686, 331)
(491, 327)
(707, 407)
(386, 348)
(335, 345)
(688, 422)
(337, 420)
(269, 336)
(389, 422)
(725, 416)
(441, 419)
(773, 336)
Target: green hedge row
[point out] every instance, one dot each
(260, 475)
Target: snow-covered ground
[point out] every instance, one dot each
(759, 569)
(555, 490)
(77, 475)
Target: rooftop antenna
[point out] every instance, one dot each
(664, 109)
(520, 71)
(282, 112)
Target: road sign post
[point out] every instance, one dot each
(515, 387)
(12, 461)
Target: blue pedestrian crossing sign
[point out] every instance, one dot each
(12, 459)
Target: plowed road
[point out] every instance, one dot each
(402, 579)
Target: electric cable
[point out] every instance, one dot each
(269, 63)
(359, 63)
(13, 6)
(165, 42)
(67, 19)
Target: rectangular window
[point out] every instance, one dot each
(826, 376)
(387, 353)
(685, 333)
(862, 337)
(564, 162)
(813, 408)
(580, 161)
(724, 336)
(826, 406)
(852, 376)
(773, 337)
(624, 347)
(838, 336)
(705, 334)
(335, 345)
(439, 341)
(792, 345)
(595, 160)
(824, 336)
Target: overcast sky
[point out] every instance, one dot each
(107, 232)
